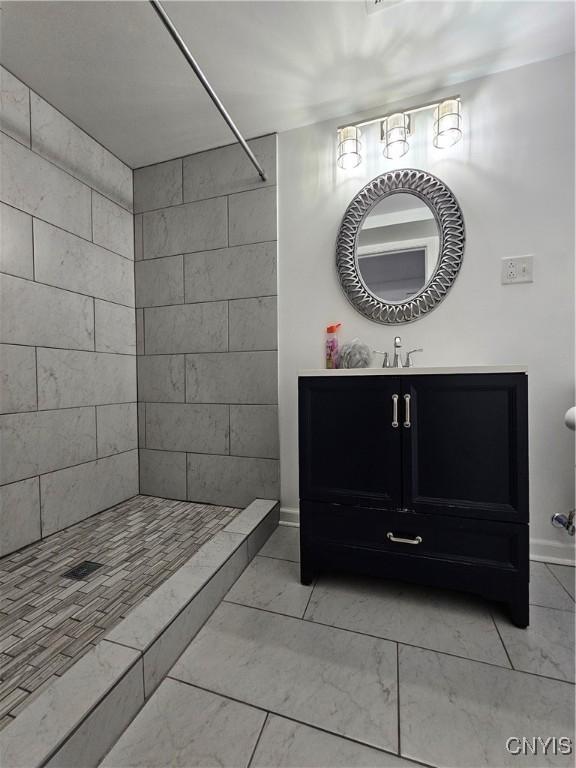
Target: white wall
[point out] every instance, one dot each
(513, 175)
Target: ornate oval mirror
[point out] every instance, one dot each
(400, 246)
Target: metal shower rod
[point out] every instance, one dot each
(165, 19)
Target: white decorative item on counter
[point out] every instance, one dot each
(355, 354)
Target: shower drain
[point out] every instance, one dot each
(82, 570)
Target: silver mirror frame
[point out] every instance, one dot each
(450, 222)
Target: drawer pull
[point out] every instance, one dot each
(407, 411)
(394, 411)
(399, 540)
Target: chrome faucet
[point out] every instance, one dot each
(397, 357)
(408, 363)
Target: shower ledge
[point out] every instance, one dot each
(78, 718)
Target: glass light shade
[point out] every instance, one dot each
(349, 147)
(394, 131)
(447, 123)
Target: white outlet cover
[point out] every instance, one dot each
(517, 269)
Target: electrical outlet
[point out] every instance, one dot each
(517, 269)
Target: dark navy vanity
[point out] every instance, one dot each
(419, 474)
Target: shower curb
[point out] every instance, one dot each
(77, 719)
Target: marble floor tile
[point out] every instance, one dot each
(545, 589)
(546, 647)
(287, 744)
(566, 574)
(339, 681)
(283, 544)
(457, 713)
(182, 727)
(435, 619)
(273, 585)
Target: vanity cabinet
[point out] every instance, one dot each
(422, 477)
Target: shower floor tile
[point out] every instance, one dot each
(47, 622)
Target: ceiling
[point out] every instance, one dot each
(112, 68)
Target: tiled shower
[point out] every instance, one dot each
(206, 326)
(137, 310)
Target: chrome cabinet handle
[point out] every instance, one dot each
(407, 411)
(394, 411)
(399, 540)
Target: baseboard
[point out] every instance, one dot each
(290, 516)
(543, 550)
(546, 551)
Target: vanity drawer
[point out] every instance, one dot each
(411, 534)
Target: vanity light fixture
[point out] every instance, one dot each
(394, 131)
(447, 123)
(349, 147)
(397, 127)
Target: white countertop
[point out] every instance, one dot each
(415, 371)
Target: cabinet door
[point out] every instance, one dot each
(350, 452)
(466, 449)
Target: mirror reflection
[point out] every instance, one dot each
(398, 247)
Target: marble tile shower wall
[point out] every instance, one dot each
(68, 429)
(205, 249)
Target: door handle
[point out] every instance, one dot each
(399, 540)
(407, 411)
(394, 411)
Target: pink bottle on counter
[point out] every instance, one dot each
(332, 345)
